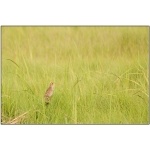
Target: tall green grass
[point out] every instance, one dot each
(100, 75)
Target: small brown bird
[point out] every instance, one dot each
(49, 93)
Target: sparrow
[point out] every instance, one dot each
(49, 92)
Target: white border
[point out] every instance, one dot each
(77, 12)
(74, 12)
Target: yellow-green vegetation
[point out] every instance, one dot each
(100, 75)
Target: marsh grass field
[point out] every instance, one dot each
(100, 75)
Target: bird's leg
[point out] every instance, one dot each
(47, 101)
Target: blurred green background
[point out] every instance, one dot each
(100, 75)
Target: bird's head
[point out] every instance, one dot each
(52, 84)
